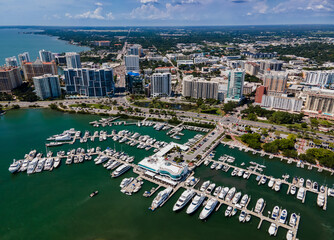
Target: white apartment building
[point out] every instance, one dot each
(161, 84)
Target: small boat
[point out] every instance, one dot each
(56, 162)
(301, 182)
(271, 182)
(278, 185)
(289, 235)
(214, 165)
(210, 188)
(242, 216)
(293, 220)
(93, 194)
(283, 216)
(293, 190)
(244, 200)
(258, 178)
(275, 212)
(230, 194)
(301, 193)
(236, 198)
(217, 191)
(240, 173)
(321, 199)
(248, 217)
(204, 186)
(315, 186)
(272, 229)
(246, 175)
(308, 183)
(322, 189)
(223, 193)
(259, 205)
(234, 172)
(161, 198)
(234, 211)
(228, 211)
(263, 180)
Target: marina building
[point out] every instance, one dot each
(282, 102)
(24, 57)
(161, 84)
(46, 56)
(319, 78)
(159, 163)
(132, 63)
(10, 78)
(73, 60)
(38, 68)
(134, 83)
(90, 82)
(235, 85)
(275, 82)
(11, 62)
(200, 88)
(47, 86)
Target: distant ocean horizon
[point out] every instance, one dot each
(14, 41)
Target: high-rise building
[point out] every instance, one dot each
(73, 60)
(11, 62)
(260, 91)
(134, 83)
(38, 68)
(161, 84)
(47, 86)
(89, 82)
(135, 49)
(320, 78)
(10, 78)
(24, 57)
(200, 88)
(320, 102)
(271, 65)
(275, 82)
(282, 102)
(46, 56)
(132, 63)
(235, 85)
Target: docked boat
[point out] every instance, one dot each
(283, 216)
(240, 173)
(301, 182)
(208, 209)
(308, 183)
(248, 217)
(120, 170)
(48, 164)
(217, 191)
(271, 182)
(275, 212)
(24, 166)
(289, 235)
(322, 189)
(195, 203)
(246, 175)
(244, 200)
(219, 166)
(101, 159)
(228, 211)
(210, 188)
(272, 229)
(69, 160)
(223, 193)
(315, 186)
(278, 185)
(321, 199)
(115, 164)
(230, 194)
(15, 166)
(160, 198)
(214, 165)
(259, 205)
(32, 165)
(263, 180)
(293, 190)
(234, 211)
(301, 193)
(56, 162)
(40, 165)
(125, 182)
(204, 186)
(293, 220)
(236, 198)
(258, 177)
(242, 216)
(234, 172)
(185, 197)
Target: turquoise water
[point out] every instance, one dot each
(55, 205)
(14, 42)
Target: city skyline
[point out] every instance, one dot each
(166, 12)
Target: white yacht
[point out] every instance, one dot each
(65, 137)
(40, 165)
(15, 166)
(48, 164)
(223, 193)
(272, 229)
(246, 175)
(204, 186)
(125, 182)
(259, 205)
(115, 164)
(217, 191)
(196, 202)
(120, 170)
(242, 216)
(271, 182)
(210, 188)
(275, 212)
(283, 216)
(101, 159)
(263, 180)
(230, 194)
(308, 183)
(301, 193)
(25, 165)
(244, 200)
(293, 220)
(236, 198)
(56, 162)
(185, 197)
(69, 160)
(228, 211)
(289, 235)
(160, 198)
(278, 185)
(208, 209)
(293, 190)
(301, 182)
(321, 199)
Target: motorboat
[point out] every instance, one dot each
(210, 188)
(293, 190)
(214, 165)
(293, 220)
(259, 205)
(56, 162)
(217, 191)
(271, 182)
(315, 186)
(301, 182)
(208, 209)
(275, 212)
(246, 175)
(219, 167)
(230, 194)
(228, 211)
(308, 183)
(272, 229)
(289, 235)
(48, 164)
(248, 217)
(69, 160)
(125, 182)
(185, 197)
(160, 198)
(278, 185)
(223, 193)
(283, 216)
(40, 165)
(240, 173)
(301, 193)
(234, 172)
(244, 200)
(321, 199)
(236, 198)
(258, 177)
(120, 170)
(322, 189)
(32, 165)
(263, 180)
(24, 166)
(234, 211)
(242, 216)
(93, 194)
(101, 159)
(15, 166)
(195, 203)
(204, 186)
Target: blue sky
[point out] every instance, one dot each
(165, 12)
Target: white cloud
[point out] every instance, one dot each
(95, 14)
(148, 11)
(98, 4)
(305, 5)
(148, 1)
